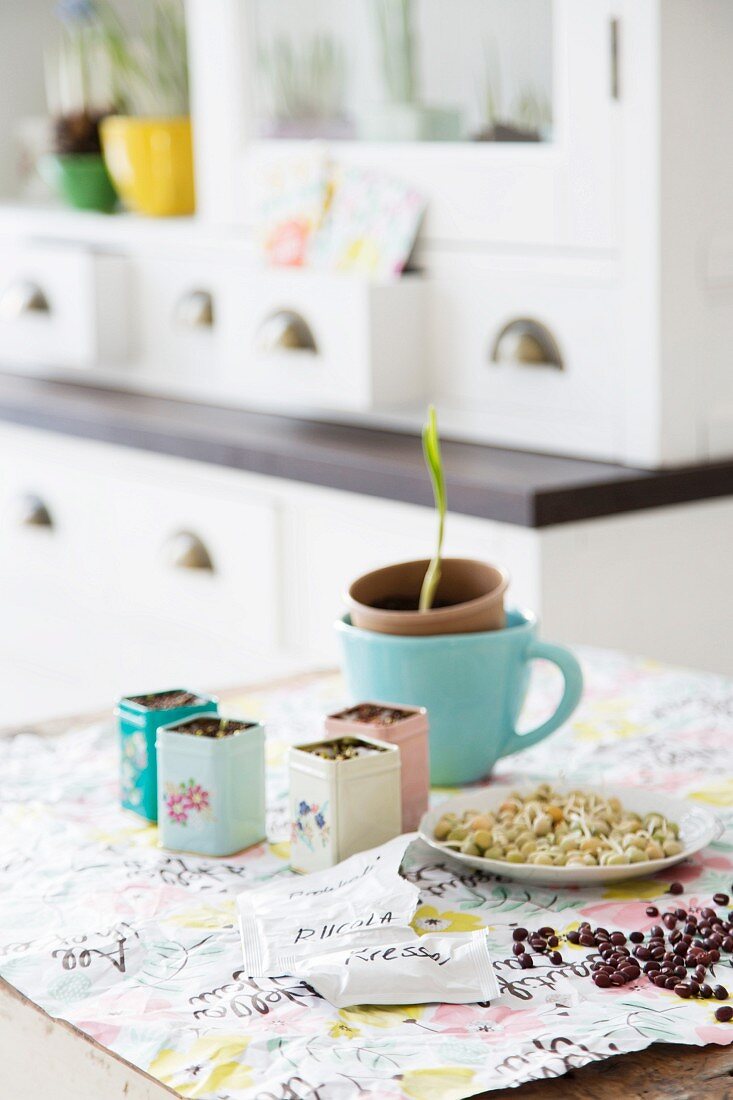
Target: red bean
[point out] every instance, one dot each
(676, 888)
(573, 937)
(652, 911)
(720, 993)
(525, 961)
(547, 931)
(724, 1014)
(518, 948)
(705, 990)
(682, 990)
(602, 980)
(586, 940)
(556, 958)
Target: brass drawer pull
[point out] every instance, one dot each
(184, 550)
(195, 309)
(21, 298)
(527, 342)
(285, 330)
(32, 512)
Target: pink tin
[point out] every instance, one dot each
(406, 727)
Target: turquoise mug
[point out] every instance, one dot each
(473, 685)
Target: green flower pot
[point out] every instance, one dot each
(81, 180)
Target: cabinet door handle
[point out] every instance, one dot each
(527, 342)
(195, 309)
(285, 330)
(32, 512)
(185, 550)
(21, 298)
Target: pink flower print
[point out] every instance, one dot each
(176, 806)
(197, 798)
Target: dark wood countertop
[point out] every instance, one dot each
(519, 487)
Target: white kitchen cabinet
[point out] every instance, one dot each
(92, 608)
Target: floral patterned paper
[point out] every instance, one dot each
(139, 947)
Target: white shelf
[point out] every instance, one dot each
(124, 230)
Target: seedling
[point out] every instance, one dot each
(434, 463)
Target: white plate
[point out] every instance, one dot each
(698, 827)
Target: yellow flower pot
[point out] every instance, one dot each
(150, 161)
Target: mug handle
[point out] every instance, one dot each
(573, 689)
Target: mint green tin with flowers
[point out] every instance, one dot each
(211, 785)
(139, 717)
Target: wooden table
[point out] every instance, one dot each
(42, 1057)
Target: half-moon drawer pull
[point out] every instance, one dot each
(184, 550)
(285, 330)
(21, 298)
(32, 512)
(195, 309)
(527, 342)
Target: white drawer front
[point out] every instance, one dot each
(179, 304)
(198, 557)
(62, 306)
(574, 409)
(50, 534)
(325, 341)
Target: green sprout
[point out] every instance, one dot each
(434, 463)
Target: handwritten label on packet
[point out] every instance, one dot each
(291, 917)
(326, 931)
(453, 969)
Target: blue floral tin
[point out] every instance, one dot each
(139, 717)
(211, 785)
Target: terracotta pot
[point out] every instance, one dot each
(473, 590)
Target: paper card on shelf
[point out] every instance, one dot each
(291, 198)
(370, 226)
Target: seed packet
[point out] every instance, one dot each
(361, 901)
(454, 968)
(291, 196)
(370, 226)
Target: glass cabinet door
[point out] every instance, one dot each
(402, 70)
(505, 114)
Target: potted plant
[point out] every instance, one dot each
(436, 596)
(211, 784)
(79, 95)
(344, 798)
(529, 119)
(139, 717)
(405, 727)
(434, 634)
(403, 117)
(305, 88)
(148, 144)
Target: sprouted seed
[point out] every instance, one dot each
(575, 829)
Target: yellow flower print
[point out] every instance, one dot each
(717, 794)
(206, 916)
(380, 1015)
(428, 919)
(144, 834)
(276, 753)
(281, 849)
(342, 1030)
(637, 889)
(443, 1083)
(208, 1066)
